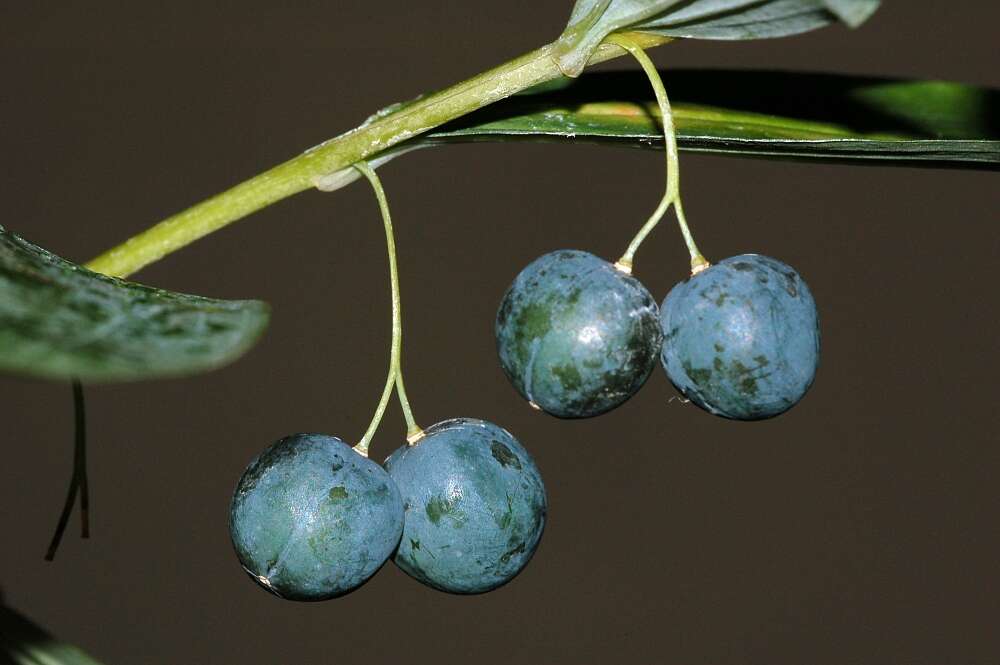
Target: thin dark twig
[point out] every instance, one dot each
(64, 518)
(80, 457)
(79, 462)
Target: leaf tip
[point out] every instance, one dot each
(853, 12)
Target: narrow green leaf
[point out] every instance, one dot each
(60, 320)
(593, 20)
(814, 116)
(22, 642)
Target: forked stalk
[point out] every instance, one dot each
(672, 195)
(395, 376)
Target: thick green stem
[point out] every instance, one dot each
(672, 194)
(319, 163)
(395, 376)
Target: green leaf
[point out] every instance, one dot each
(60, 320)
(24, 643)
(707, 19)
(593, 20)
(813, 116)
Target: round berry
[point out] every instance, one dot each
(312, 519)
(474, 506)
(741, 338)
(576, 336)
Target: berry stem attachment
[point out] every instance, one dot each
(395, 376)
(672, 194)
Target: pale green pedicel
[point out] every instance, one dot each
(395, 376)
(672, 194)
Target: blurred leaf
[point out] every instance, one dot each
(24, 643)
(593, 20)
(809, 116)
(853, 12)
(60, 320)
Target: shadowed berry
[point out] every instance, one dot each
(575, 336)
(312, 519)
(474, 506)
(742, 337)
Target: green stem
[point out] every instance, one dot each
(672, 194)
(323, 161)
(414, 432)
(395, 376)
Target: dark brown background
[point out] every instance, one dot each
(859, 527)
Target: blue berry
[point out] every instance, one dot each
(575, 336)
(474, 506)
(742, 337)
(312, 519)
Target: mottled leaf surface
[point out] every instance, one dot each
(809, 116)
(60, 320)
(746, 20)
(593, 20)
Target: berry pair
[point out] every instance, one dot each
(462, 511)
(577, 336)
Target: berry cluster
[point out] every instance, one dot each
(577, 337)
(461, 506)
